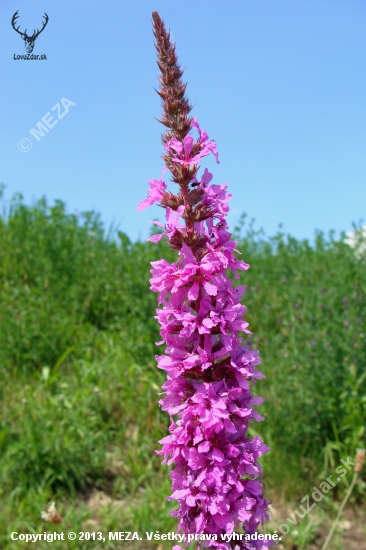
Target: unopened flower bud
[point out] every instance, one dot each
(360, 459)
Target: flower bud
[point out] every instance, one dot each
(360, 459)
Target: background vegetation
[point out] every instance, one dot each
(79, 385)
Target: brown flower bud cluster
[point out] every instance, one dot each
(175, 117)
(176, 107)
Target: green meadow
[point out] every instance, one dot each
(79, 387)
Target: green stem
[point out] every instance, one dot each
(330, 534)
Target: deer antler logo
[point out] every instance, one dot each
(29, 41)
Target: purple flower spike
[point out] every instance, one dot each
(216, 478)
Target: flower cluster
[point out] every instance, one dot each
(216, 476)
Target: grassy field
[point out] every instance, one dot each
(79, 387)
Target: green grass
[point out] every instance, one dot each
(79, 385)
(92, 425)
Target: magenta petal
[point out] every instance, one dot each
(188, 145)
(206, 177)
(193, 291)
(191, 501)
(156, 238)
(210, 289)
(257, 400)
(204, 447)
(201, 522)
(144, 204)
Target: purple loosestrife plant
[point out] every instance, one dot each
(217, 477)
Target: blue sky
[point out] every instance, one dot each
(279, 84)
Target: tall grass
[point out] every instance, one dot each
(307, 310)
(79, 383)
